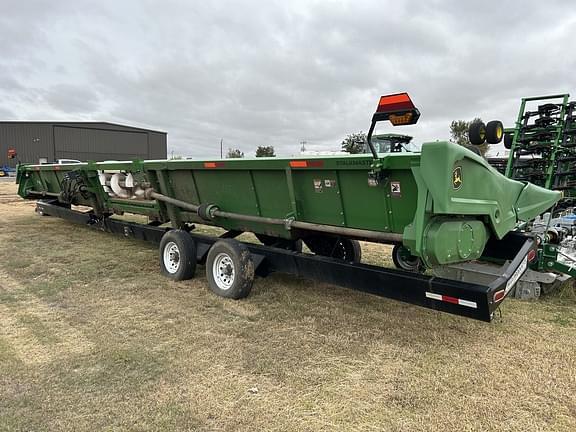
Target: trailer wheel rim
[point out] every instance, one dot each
(223, 271)
(171, 257)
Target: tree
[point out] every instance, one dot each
(354, 143)
(234, 154)
(459, 134)
(265, 151)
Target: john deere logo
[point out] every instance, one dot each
(457, 178)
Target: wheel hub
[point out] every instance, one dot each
(171, 257)
(223, 271)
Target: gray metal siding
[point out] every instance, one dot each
(98, 144)
(157, 145)
(31, 141)
(83, 141)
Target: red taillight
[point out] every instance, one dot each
(395, 102)
(499, 295)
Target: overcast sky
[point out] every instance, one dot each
(279, 72)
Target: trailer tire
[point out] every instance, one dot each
(494, 132)
(405, 261)
(178, 255)
(335, 247)
(230, 269)
(477, 133)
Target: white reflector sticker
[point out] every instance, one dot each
(467, 303)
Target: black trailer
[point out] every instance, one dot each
(250, 260)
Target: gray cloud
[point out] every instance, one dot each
(274, 72)
(71, 98)
(6, 114)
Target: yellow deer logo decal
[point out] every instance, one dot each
(457, 178)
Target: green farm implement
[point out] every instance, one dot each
(542, 148)
(442, 206)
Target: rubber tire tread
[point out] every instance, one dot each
(243, 269)
(474, 133)
(418, 269)
(492, 128)
(508, 138)
(187, 248)
(326, 246)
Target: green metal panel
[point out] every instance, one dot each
(365, 207)
(184, 185)
(272, 193)
(228, 189)
(318, 197)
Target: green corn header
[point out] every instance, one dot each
(442, 205)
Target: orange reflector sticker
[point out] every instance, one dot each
(298, 164)
(306, 164)
(213, 164)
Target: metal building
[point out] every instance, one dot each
(39, 142)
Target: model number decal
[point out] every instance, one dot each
(516, 275)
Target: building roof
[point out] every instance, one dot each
(79, 123)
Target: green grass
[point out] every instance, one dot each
(92, 337)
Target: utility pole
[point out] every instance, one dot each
(303, 146)
(221, 150)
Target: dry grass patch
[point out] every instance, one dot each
(122, 348)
